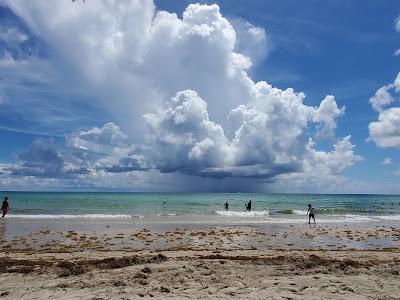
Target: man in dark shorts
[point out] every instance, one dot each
(5, 206)
(311, 213)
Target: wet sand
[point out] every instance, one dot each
(185, 261)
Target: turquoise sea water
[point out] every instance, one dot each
(204, 208)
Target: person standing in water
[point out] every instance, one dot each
(248, 206)
(5, 206)
(226, 205)
(311, 213)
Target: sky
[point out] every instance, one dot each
(211, 96)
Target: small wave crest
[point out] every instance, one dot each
(346, 210)
(352, 218)
(390, 218)
(292, 212)
(299, 212)
(166, 215)
(85, 216)
(243, 214)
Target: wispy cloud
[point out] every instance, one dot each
(387, 161)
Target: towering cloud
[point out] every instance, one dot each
(179, 89)
(269, 137)
(127, 57)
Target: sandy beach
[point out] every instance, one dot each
(208, 262)
(203, 274)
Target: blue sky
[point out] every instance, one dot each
(63, 79)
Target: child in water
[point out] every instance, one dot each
(5, 206)
(311, 213)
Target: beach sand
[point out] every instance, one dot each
(246, 262)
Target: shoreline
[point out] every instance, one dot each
(41, 236)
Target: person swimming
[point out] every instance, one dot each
(311, 213)
(5, 206)
(226, 205)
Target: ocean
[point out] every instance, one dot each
(205, 208)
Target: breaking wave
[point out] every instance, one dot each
(85, 216)
(242, 214)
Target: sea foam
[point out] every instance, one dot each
(166, 215)
(299, 212)
(85, 216)
(242, 214)
(390, 218)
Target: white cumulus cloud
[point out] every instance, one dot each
(386, 131)
(187, 75)
(381, 98)
(251, 40)
(326, 114)
(84, 153)
(269, 139)
(129, 57)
